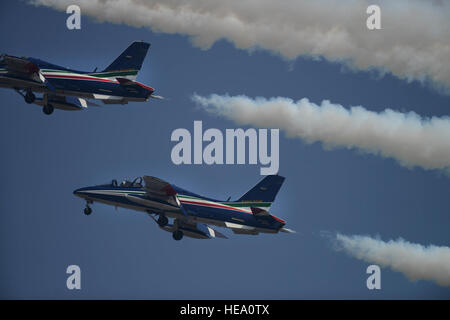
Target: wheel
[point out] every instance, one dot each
(162, 221)
(87, 211)
(177, 235)
(30, 97)
(48, 109)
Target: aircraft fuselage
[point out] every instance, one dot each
(84, 85)
(236, 215)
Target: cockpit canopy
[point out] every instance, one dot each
(136, 183)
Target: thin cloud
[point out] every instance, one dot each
(405, 137)
(415, 261)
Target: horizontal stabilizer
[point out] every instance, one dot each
(241, 228)
(107, 99)
(259, 212)
(126, 82)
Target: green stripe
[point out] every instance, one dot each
(114, 74)
(247, 204)
(188, 197)
(52, 70)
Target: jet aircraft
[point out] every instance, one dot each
(68, 89)
(191, 213)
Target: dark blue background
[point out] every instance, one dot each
(122, 254)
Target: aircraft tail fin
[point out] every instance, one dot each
(264, 193)
(128, 64)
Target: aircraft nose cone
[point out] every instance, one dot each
(79, 192)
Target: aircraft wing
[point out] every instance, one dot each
(63, 102)
(213, 233)
(194, 229)
(199, 230)
(25, 69)
(163, 190)
(156, 186)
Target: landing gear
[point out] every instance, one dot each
(87, 210)
(48, 109)
(162, 221)
(177, 235)
(29, 97)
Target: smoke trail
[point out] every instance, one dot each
(414, 43)
(415, 261)
(406, 137)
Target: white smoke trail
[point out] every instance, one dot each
(406, 137)
(414, 43)
(415, 261)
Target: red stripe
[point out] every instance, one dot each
(145, 87)
(214, 205)
(278, 219)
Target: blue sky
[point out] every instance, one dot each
(122, 254)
